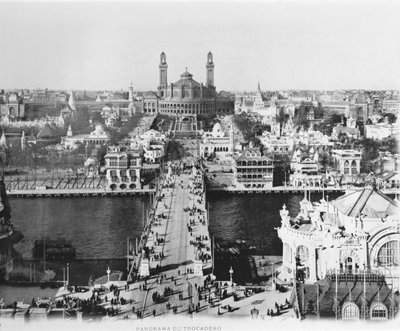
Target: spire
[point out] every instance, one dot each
(3, 141)
(258, 87)
(23, 141)
(71, 101)
(69, 132)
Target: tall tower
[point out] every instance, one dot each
(163, 73)
(131, 92)
(210, 69)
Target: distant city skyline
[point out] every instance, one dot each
(283, 45)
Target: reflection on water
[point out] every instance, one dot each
(252, 217)
(97, 226)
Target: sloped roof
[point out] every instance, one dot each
(244, 157)
(374, 290)
(46, 132)
(369, 202)
(186, 75)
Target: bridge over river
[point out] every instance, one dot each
(174, 254)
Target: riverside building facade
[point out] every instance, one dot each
(358, 232)
(123, 168)
(253, 170)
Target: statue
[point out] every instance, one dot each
(285, 218)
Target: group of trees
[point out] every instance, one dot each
(248, 127)
(175, 151)
(119, 133)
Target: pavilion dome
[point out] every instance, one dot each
(217, 128)
(186, 75)
(90, 162)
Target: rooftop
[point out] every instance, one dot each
(369, 202)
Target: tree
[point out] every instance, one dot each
(370, 151)
(256, 142)
(101, 152)
(3, 159)
(280, 117)
(318, 111)
(301, 115)
(281, 168)
(80, 123)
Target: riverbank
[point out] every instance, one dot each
(83, 192)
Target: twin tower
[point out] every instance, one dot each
(164, 66)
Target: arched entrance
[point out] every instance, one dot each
(349, 265)
(350, 311)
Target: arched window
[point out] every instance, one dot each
(378, 312)
(353, 167)
(350, 311)
(302, 253)
(346, 167)
(388, 254)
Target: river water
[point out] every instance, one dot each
(98, 226)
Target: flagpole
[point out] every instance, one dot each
(317, 300)
(127, 254)
(213, 253)
(336, 293)
(365, 299)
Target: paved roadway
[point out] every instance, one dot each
(179, 253)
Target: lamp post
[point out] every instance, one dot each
(108, 274)
(230, 274)
(67, 274)
(285, 178)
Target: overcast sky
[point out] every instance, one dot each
(283, 45)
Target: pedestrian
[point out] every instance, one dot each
(154, 312)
